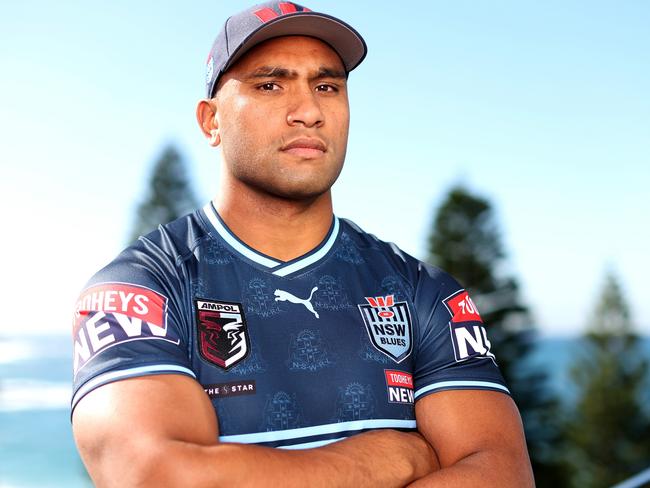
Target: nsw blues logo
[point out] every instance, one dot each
(389, 326)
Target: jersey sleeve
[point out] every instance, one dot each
(454, 350)
(129, 321)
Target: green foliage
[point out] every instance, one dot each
(609, 433)
(169, 194)
(466, 242)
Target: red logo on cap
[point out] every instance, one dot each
(266, 14)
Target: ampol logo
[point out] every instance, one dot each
(222, 332)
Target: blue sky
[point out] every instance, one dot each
(543, 107)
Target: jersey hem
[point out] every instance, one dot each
(317, 433)
(312, 445)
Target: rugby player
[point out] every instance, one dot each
(263, 341)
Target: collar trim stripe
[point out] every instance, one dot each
(234, 242)
(303, 263)
(280, 268)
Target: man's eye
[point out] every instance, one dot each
(327, 88)
(268, 87)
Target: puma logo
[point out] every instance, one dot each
(285, 296)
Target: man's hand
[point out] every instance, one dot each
(478, 437)
(162, 431)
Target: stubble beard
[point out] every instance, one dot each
(280, 181)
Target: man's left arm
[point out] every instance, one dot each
(478, 437)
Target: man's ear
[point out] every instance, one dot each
(206, 116)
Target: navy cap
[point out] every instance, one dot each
(246, 29)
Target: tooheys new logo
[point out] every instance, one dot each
(110, 313)
(466, 327)
(389, 326)
(400, 386)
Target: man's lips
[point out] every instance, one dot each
(305, 147)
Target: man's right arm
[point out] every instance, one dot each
(162, 431)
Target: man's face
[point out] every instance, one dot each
(283, 117)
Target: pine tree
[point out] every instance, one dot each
(609, 433)
(169, 194)
(466, 242)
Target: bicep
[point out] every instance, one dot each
(116, 425)
(460, 423)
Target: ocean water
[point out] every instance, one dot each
(36, 445)
(556, 355)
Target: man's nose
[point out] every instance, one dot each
(305, 109)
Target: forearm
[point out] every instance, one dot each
(483, 468)
(380, 458)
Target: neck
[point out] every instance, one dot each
(280, 228)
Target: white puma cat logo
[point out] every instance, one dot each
(285, 296)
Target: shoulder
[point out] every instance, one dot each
(176, 239)
(156, 258)
(416, 271)
(366, 241)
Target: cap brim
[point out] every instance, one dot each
(346, 41)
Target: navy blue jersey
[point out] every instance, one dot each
(292, 354)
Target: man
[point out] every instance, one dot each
(262, 321)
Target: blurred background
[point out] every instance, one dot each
(507, 142)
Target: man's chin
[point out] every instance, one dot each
(306, 187)
(298, 192)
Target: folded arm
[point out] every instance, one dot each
(478, 438)
(162, 431)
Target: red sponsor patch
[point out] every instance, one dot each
(399, 386)
(462, 308)
(398, 378)
(131, 300)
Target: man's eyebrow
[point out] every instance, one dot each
(325, 72)
(271, 72)
(285, 73)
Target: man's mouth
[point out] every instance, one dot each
(305, 147)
